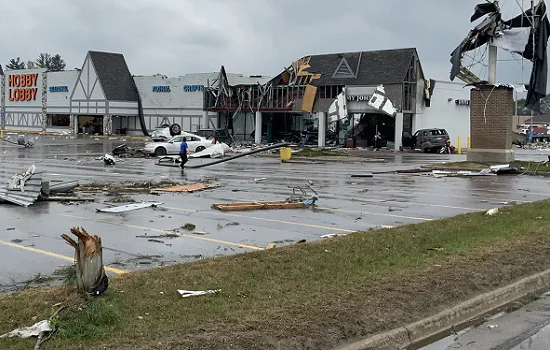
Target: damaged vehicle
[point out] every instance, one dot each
(427, 140)
(172, 146)
(165, 131)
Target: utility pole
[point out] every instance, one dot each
(492, 78)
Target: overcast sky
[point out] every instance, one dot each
(176, 37)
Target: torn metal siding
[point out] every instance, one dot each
(29, 195)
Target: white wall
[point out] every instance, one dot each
(59, 102)
(177, 105)
(445, 113)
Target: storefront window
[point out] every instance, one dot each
(61, 120)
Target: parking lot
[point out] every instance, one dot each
(30, 241)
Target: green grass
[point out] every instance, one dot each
(122, 199)
(313, 152)
(305, 296)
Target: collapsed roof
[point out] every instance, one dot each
(526, 35)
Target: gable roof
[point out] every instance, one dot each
(114, 76)
(369, 67)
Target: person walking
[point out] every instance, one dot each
(304, 139)
(183, 152)
(377, 140)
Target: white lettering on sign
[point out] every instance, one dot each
(358, 97)
(462, 102)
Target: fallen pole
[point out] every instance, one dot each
(259, 150)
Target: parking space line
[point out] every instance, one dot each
(380, 214)
(163, 231)
(263, 219)
(55, 255)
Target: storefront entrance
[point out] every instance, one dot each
(92, 124)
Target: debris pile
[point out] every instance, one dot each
(27, 187)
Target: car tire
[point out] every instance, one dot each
(175, 129)
(200, 149)
(160, 151)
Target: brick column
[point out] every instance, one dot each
(107, 124)
(44, 116)
(3, 103)
(491, 124)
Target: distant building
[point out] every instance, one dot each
(104, 97)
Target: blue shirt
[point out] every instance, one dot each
(183, 147)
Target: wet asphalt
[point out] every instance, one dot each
(30, 242)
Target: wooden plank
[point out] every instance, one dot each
(186, 188)
(241, 206)
(309, 98)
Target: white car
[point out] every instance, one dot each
(165, 132)
(172, 146)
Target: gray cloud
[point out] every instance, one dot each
(175, 37)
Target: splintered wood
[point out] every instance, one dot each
(241, 206)
(186, 188)
(90, 273)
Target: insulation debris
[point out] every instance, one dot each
(187, 188)
(129, 207)
(17, 182)
(242, 206)
(216, 151)
(32, 331)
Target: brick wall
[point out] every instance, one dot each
(491, 122)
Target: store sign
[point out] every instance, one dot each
(193, 88)
(161, 88)
(462, 102)
(59, 89)
(358, 97)
(22, 87)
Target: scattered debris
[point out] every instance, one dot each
(129, 207)
(90, 273)
(333, 235)
(156, 241)
(63, 187)
(109, 159)
(445, 173)
(271, 245)
(32, 331)
(262, 179)
(240, 206)
(187, 188)
(362, 175)
(188, 227)
(195, 293)
(200, 233)
(23, 189)
(493, 211)
(216, 151)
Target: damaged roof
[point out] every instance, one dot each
(114, 76)
(362, 68)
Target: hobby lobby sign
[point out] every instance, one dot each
(22, 87)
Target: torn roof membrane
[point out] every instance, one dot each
(526, 34)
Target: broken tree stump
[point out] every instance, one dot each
(90, 273)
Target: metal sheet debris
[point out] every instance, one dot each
(27, 187)
(63, 187)
(195, 293)
(381, 102)
(129, 207)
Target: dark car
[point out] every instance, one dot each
(219, 134)
(428, 140)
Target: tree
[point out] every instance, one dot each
(44, 60)
(57, 63)
(15, 63)
(31, 65)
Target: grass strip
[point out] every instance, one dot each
(306, 296)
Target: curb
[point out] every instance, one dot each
(450, 319)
